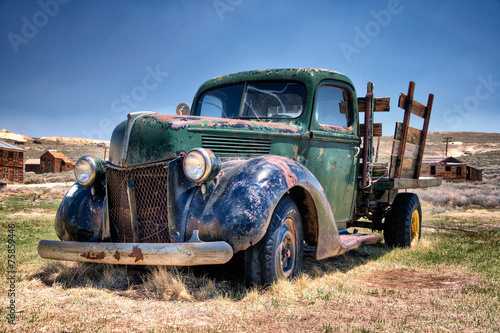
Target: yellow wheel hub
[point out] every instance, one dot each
(415, 227)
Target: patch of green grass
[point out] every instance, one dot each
(26, 222)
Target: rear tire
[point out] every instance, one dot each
(403, 222)
(278, 255)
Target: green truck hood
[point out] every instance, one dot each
(147, 138)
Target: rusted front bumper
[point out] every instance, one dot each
(171, 254)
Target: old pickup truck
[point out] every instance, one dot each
(263, 162)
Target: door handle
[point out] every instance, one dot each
(357, 151)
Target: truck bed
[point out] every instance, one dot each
(405, 183)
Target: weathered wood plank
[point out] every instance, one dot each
(413, 137)
(411, 150)
(377, 129)
(407, 169)
(404, 130)
(381, 104)
(417, 108)
(423, 137)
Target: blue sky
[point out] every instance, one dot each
(75, 68)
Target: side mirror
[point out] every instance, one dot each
(182, 109)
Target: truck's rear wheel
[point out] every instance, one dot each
(403, 222)
(278, 255)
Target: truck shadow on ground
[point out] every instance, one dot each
(195, 283)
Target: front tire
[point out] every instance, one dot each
(403, 222)
(278, 255)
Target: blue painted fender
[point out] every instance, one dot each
(238, 206)
(80, 214)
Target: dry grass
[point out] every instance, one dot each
(461, 195)
(62, 177)
(449, 282)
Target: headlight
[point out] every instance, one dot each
(199, 164)
(86, 170)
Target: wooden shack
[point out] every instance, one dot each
(32, 165)
(11, 163)
(449, 168)
(55, 161)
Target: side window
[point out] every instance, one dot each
(211, 107)
(332, 107)
(433, 170)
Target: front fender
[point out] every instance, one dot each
(80, 214)
(239, 204)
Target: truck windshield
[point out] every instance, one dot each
(253, 100)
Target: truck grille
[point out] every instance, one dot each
(225, 146)
(150, 192)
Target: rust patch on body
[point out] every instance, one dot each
(136, 253)
(181, 122)
(92, 256)
(117, 255)
(290, 177)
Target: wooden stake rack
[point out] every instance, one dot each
(409, 142)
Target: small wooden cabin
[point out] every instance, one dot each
(11, 163)
(32, 165)
(449, 168)
(54, 161)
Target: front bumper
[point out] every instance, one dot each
(171, 254)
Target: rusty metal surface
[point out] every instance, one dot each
(239, 206)
(175, 254)
(137, 203)
(80, 214)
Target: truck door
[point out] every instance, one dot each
(334, 147)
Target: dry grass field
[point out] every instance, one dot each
(449, 282)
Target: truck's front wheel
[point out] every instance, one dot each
(403, 222)
(278, 255)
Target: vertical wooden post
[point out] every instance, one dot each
(423, 136)
(404, 131)
(367, 136)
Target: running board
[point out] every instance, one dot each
(353, 241)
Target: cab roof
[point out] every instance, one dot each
(309, 76)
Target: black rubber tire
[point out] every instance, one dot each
(403, 222)
(278, 255)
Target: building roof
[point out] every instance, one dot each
(442, 160)
(58, 154)
(32, 161)
(5, 145)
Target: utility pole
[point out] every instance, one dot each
(446, 139)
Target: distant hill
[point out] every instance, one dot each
(73, 140)
(73, 148)
(6, 134)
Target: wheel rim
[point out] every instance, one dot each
(415, 227)
(287, 250)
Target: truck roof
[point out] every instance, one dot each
(309, 76)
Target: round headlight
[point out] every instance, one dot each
(85, 170)
(199, 164)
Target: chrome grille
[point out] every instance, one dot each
(150, 192)
(236, 146)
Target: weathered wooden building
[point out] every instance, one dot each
(11, 163)
(32, 165)
(55, 161)
(449, 168)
